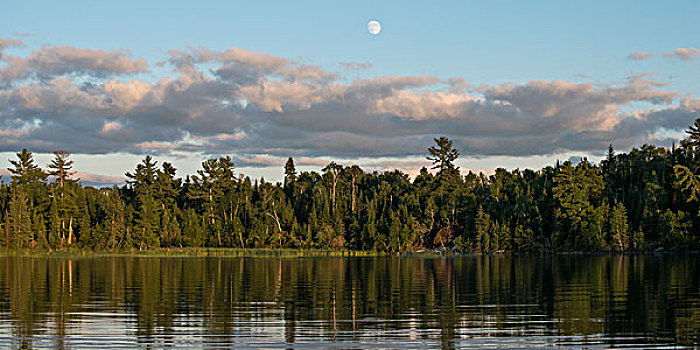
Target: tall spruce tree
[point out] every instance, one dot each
(64, 191)
(443, 154)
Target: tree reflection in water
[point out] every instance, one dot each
(453, 302)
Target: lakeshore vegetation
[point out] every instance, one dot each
(647, 199)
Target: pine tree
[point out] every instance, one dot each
(688, 182)
(694, 135)
(115, 218)
(638, 240)
(577, 190)
(25, 172)
(619, 228)
(443, 154)
(63, 191)
(20, 224)
(86, 230)
(147, 213)
(192, 229)
(332, 176)
(210, 186)
(61, 167)
(482, 231)
(39, 231)
(290, 173)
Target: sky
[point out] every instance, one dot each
(514, 84)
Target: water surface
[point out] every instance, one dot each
(642, 301)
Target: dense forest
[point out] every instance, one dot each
(647, 199)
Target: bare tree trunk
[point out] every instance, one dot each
(276, 218)
(70, 230)
(335, 183)
(352, 203)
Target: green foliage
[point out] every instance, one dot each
(25, 172)
(648, 198)
(443, 154)
(688, 182)
(578, 191)
(619, 228)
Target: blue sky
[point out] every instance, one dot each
(491, 45)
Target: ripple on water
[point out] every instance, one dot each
(454, 303)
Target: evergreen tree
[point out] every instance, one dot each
(647, 198)
(290, 172)
(61, 167)
(147, 218)
(619, 228)
(483, 237)
(578, 190)
(443, 154)
(20, 222)
(63, 189)
(25, 172)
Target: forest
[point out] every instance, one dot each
(645, 200)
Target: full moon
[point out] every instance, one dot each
(374, 27)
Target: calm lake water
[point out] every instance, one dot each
(646, 301)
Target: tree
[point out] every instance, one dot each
(290, 172)
(147, 218)
(483, 238)
(578, 190)
(694, 134)
(619, 229)
(354, 172)
(210, 185)
(332, 172)
(61, 168)
(647, 198)
(688, 182)
(114, 218)
(20, 223)
(25, 171)
(167, 189)
(443, 154)
(27, 196)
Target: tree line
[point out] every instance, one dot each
(646, 199)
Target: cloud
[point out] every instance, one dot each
(404, 165)
(23, 35)
(258, 161)
(263, 161)
(640, 55)
(263, 108)
(55, 61)
(126, 94)
(90, 179)
(684, 54)
(5, 43)
(100, 179)
(356, 66)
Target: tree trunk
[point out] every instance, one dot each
(70, 230)
(352, 203)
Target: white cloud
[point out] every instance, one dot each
(640, 55)
(265, 108)
(685, 54)
(50, 62)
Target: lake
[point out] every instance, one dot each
(462, 302)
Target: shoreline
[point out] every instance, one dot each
(300, 253)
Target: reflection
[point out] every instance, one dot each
(434, 302)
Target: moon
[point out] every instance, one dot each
(374, 27)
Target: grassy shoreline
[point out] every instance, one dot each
(200, 253)
(274, 253)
